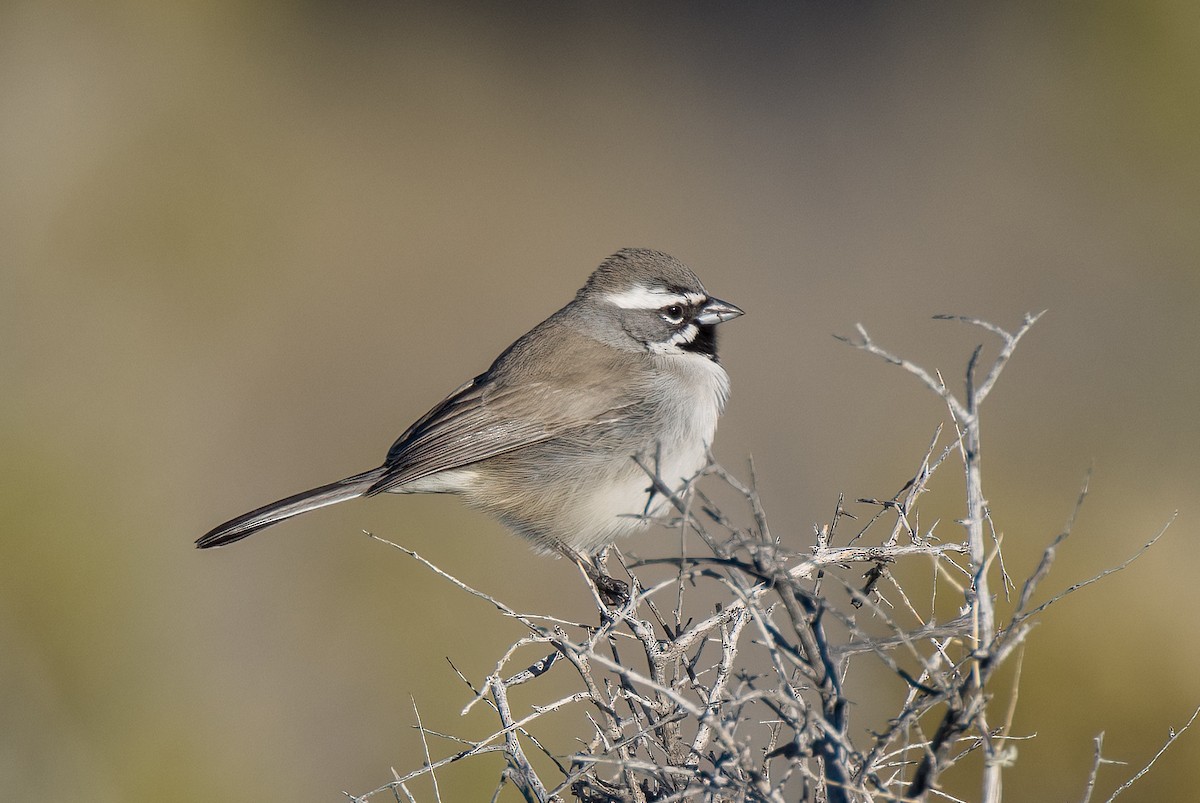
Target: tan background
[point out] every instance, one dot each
(243, 245)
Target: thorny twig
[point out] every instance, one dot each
(747, 700)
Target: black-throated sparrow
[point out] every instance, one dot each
(545, 439)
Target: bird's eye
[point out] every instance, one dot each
(673, 314)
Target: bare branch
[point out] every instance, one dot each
(864, 343)
(1043, 567)
(1097, 759)
(732, 679)
(437, 794)
(1172, 736)
(1097, 578)
(1006, 351)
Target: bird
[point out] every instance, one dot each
(559, 437)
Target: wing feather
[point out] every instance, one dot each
(484, 419)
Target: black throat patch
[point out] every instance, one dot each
(705, 342)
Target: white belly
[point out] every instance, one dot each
(691, 396)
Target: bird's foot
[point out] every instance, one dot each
(613, 592)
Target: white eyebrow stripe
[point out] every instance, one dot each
(652, 298)
(644, 298)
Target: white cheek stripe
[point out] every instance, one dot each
(686, 334)
(672, 346)
(652, 298)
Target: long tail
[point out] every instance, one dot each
(265, 516)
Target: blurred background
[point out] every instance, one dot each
(244, 245)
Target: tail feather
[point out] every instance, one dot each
(265, 516)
